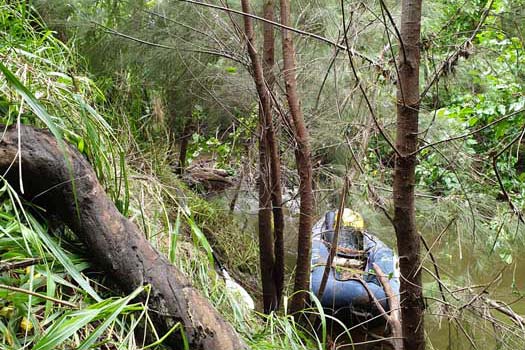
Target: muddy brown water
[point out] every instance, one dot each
(460, 264)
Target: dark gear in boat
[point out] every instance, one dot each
(350, 239)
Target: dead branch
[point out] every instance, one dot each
(334, 243)
(506, 310)
(393, 317)
(7, 266)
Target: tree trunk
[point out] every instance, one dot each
(404, 176)
(304, 166)
(115, 244)
(275, 159)
(266, 242)
(184, 141)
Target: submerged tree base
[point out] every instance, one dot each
(63, 182)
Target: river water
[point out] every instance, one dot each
(461, 264)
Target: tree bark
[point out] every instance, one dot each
(266, 241)
(184, 141)
(412, 305)
(304, 166)
(275, 158)
(115, 244)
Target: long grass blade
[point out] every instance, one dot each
(116, 309)
(32, 101)
(64, 259)
(199, 238)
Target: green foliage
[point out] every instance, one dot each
(225, 150)
(489, 88)
(130, 112)
(71, 322)
(42, 320)
(39, 73)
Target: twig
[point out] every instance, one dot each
(372, 296)
(515, 210)
(393, 317)
(149, 43)
(38, 295)
(181, 24)
(437, 277)
(277, 24)
(454, 56)
(465, 193)
(471, 341)
(506, 310)
(389, 15)
(433, 244)
(477, 296)
(358, 83)
(333, 247)
(379, 201)
(20, 264)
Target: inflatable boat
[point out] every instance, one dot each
(351, 269)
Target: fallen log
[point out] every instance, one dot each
(205, 177)
(114, 243)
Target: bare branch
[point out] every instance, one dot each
(295, 30)
(38, 295)
(161, 46)
(358, 83)
(393, 318)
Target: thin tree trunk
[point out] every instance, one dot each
(266, 242)
(412, 306)
(275, 159)
(237, 189)
(304, 166)
(266, 249)
(181, 166)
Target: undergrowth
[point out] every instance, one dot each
(50, 295)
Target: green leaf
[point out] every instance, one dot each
(42, 114)
(80, 145)
(473, 121)
(115, 309)
(32, 101)
(200, 238)
(174, 236)
(65, 327)
(50, 291)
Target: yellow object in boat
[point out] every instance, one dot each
(351, 219)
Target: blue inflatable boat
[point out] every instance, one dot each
(352, 267)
